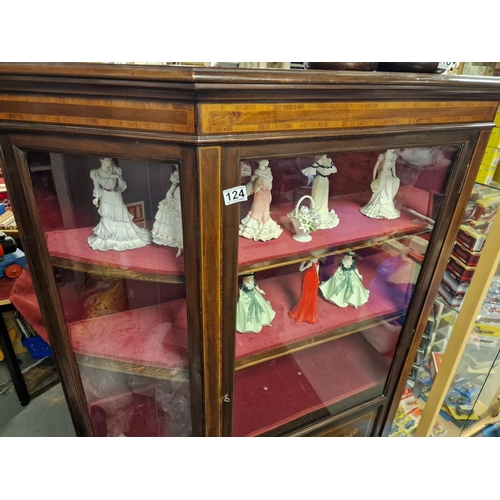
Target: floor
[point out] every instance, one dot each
(47, 414)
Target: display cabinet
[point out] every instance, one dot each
(237, 252)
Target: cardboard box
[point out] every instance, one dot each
(486, 173)
(460, 270)
(491, 156)
(454, 282)
(494, 140)
(471, 238)
(486, 209)
(497, 117)
(453, 298)
(463, 254)
(435, 363)
(496, 176)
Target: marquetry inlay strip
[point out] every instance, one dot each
(109, 113)
(241, 118)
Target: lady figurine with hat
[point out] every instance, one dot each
(318, 174)
(345, 287)
(252, 311)
(258, 224)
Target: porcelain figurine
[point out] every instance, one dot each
(167, 227)
(305, 220)
(385, 185)
(345, 287)
(318, 174)
(305, 310)
(116, 230)
(252, 311)
(258, 224)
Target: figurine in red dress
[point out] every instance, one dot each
(305, 310)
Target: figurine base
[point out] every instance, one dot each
(368, 211)
(329, 221)
(303, 238)
(253, 230)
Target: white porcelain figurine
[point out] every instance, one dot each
(258, 225)
(345, 287)
(385, 185)
(115, 231)
(167, 227)
(318, 174)
(252, 310)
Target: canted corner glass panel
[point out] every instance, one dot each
(330, 250)
(471, 394)
(114, 232)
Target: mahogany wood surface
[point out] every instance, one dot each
(206, 120)
(244, 118)
(210, 200)
(326, 425)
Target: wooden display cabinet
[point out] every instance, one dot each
(145, 341)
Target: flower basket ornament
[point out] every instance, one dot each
(305, 220)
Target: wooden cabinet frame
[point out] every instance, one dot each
(208, 119)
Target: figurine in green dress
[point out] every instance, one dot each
(253, 311)
(345, 287)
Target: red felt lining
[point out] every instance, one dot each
(283, 293)
(353, 226)
(276, 392)
(157, 259)
(141, 336)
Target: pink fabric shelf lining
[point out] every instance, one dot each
(354, 227)
(283, 293)
(274, 393)
(152, 336)
(72, 244)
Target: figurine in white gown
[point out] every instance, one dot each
(385, 185)
(258, 224)
(115, 231)
(319, 171)
(167, 227)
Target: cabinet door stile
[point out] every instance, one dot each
(192, 258)
(210, 200)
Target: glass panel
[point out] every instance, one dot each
(470, 394)
(330, 251)
(114, 234)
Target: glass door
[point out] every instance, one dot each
(330, 251)
(114, 232)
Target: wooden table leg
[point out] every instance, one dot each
(12, 364)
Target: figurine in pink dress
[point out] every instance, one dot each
(258, 224)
